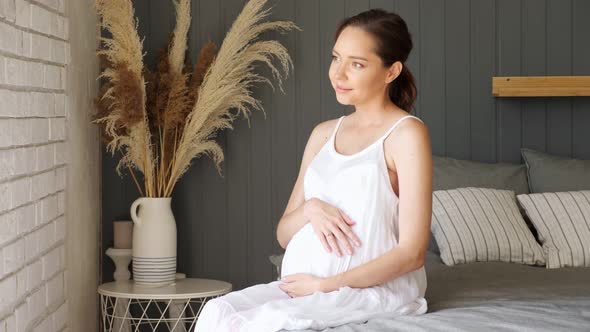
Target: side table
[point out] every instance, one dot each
(124, 303)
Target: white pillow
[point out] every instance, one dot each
(482, 224)
(562, 220)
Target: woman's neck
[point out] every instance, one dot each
(374, 113)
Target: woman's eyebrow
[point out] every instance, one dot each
(352, 57)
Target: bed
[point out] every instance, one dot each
(495, 296)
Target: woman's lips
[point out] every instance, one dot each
(342, 90)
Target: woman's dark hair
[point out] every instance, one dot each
(394, 43)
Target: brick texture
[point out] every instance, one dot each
(34, 53)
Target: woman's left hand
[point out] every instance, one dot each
(301, 284)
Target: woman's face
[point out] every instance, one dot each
(356, 68)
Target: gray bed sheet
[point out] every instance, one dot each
(494, 296)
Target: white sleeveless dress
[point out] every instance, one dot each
(359, 185)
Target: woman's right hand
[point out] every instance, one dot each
(331, 224)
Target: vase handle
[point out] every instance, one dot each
(134, 207)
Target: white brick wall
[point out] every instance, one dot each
(34, 52)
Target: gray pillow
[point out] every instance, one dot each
(550, 173)
(450, 173)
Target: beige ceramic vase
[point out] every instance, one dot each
(154, 241)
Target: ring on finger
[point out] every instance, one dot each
(330, 236)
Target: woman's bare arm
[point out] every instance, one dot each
(413, 160)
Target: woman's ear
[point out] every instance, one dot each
(393, 72)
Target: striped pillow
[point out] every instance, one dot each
(480, 225)
(562, 220)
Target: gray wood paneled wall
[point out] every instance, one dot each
(226, 226)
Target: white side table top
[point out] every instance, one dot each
(181, 289)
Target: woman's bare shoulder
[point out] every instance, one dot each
(322, 132)
(411, 135)
(412, 127)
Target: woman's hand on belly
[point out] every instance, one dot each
(301, 284)
(332, 226)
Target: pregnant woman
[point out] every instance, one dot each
(357, 224)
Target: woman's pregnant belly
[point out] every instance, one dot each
(306, 254)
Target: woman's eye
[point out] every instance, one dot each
(355, 64)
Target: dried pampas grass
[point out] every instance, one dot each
(161, 120)
(123, 116)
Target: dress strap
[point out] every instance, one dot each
(337, 126)
(386, 133)
(398, 122)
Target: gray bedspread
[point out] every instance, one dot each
(495, 296)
